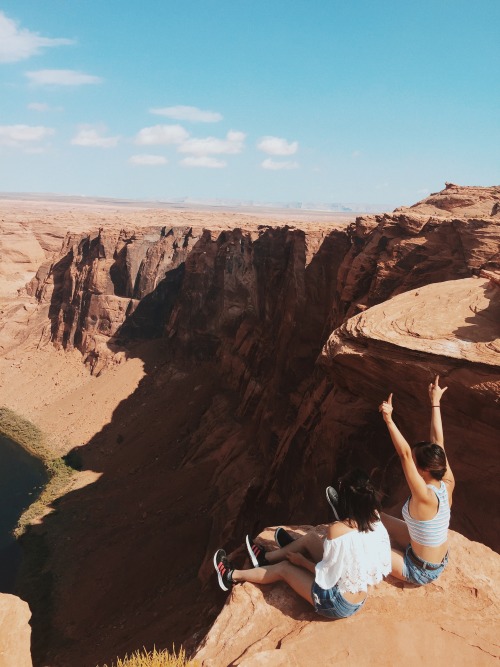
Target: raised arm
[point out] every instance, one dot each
(435, 394)
(416, 483)
(398, 440)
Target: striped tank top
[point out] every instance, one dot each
(434, 532)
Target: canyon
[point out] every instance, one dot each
(208, 374)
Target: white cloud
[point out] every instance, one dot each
(92, 137)
(161, 134)
(147, 160)
(203, 161)
(277, 146)
(38, 106)
(276, 165)
(356, 154)
(19, 43)
(192, 114)
(61, 77)
(41, 107)
(232, 144)
(23, 135)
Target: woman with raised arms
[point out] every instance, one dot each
(426, 513)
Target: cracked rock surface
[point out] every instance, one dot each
(454, 621)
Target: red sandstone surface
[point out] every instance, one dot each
(14, 632)
(212, 373)
(269, 626)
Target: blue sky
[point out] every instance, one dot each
(375, 101)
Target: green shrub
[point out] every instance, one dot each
(23, 432)
(59, 474)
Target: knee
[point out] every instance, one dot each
(283, 569)
(312, 539)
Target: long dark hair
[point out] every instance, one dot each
(431, 457)
(358, 500)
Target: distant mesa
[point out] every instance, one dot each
(231, 204)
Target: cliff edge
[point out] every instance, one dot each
(454, 621)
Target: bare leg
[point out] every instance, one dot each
(297, 578)
(309, 544)
(397, 529)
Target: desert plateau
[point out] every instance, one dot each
(194, 375)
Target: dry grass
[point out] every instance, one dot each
(155, 658)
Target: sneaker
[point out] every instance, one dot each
(223, 569)
(282, 537)
(333, 500)
(257, 554)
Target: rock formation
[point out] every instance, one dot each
(234, 423)
(21, 254)
(99, 279)
(450, 328)
(455, 620)
(14, 632)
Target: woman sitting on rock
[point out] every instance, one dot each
(426, 513)
(332, 574)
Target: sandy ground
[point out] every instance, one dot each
(55, 390)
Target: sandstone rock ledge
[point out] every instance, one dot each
(15, 632)
(455, 621)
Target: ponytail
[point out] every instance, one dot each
(431, 457)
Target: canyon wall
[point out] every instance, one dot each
(266, 351)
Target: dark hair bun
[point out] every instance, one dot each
(358, 500)
(431, 457)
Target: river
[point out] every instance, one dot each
(22, 478)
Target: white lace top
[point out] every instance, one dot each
(355, 560)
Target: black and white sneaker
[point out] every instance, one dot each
(282, 537)
(257, 553)
(223, 569)
(333, 500)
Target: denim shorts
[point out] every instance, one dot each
(421, 572)
(332, 604)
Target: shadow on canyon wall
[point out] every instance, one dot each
(183, 463)
(233, 427)
(484, 325)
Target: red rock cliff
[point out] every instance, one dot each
(236, 425)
